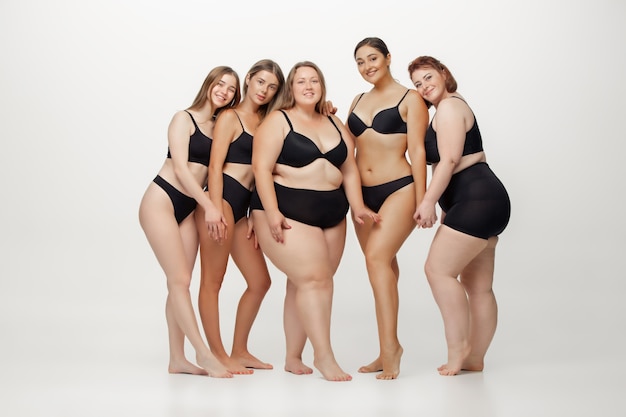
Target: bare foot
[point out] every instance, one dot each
(456, 358)
(473, 364)
(375, 366)
(391, 365)
(297, 367)
(183, 366)
(331, 370)
(235, 367)
(213, 366)
(249, 361)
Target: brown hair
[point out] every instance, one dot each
(269, 66)
(211, 80)
(430, 62)
(375, 43)
(287, 100)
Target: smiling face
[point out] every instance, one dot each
(372, 64)
(223, 92)
(430, 84)
(262, 87)
(307, 86)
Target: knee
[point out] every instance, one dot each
(319, 280)
(210, 285)
(178, 284)
(260, 287)
(430, 270)
(374, 260)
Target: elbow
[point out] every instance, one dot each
(452, 163)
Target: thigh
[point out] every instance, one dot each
(386, 237)
(451, 251)
(303, 253)
(335, 242)
(249, 260)
(477, 276)
(213, 255)
(164, 234)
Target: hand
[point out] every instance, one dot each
(359, 214)
(250, 233)
(328, 108)
(216, 225)
(277, 223)
(425, 215)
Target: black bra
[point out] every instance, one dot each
(240, 150)
(199, 146)
(386, 121)
(299, 151)
(473, 142)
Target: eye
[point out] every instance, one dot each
(418, 85)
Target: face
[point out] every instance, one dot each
(307, 87)
(262, 87)
(371, 63)
(429, 83)
(224, 91)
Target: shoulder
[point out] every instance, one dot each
(181, 120)
(413, 98)
(181, 116)
(227, 116)
(275, 122)
(355, 99)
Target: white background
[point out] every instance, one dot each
(87, 89)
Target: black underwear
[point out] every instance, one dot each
(476, 202)
(375, 196)
(237, 196)
(183, 204)
(322, 209)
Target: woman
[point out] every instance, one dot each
(306, 179)
(475, 210)
(388, 122)
(165, 209)
(229, 184)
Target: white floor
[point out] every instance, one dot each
(95, 345)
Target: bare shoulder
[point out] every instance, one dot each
(181, 121)
(226, 117)
(272, 124)
(355, 99)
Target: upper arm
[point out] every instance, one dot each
(226, 127)
(450, 128)
(417, 121)
(268, 142)
(178, 134)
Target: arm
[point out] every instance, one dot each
(352, 180)
(450, 125)
(223, 134)
(266, 147)
(417, 123)
(179, 130)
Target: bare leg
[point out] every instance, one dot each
(251, 263)
(295, 336)
(213, 263)
(449, 254)
(380, 246)
(477, 279)
(305, 258)
(174, 246)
